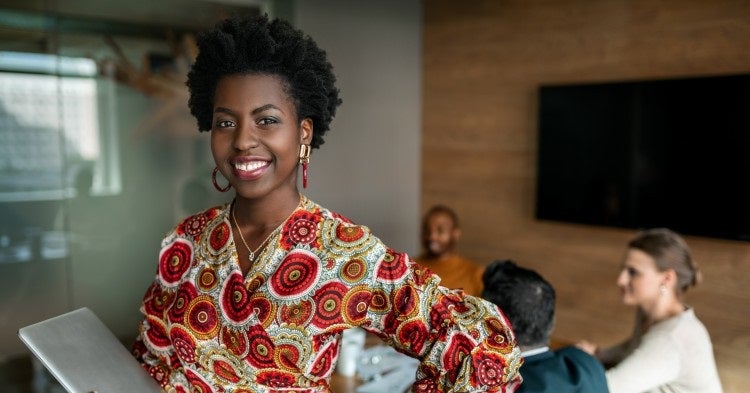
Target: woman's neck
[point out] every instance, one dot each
(265, 212)
(661, 311)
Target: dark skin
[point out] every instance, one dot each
(440, 235)
(255, 142)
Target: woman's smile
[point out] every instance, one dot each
(251, 169)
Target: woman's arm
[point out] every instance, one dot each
(464, 343)
(653, 363)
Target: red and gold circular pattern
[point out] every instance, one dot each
(413, 334)
(379, 302)
(303, 231)
(262, 350)
(297, 313)
(296, 275)
(185, 294)
(392, 267)
(160, 373)
(458, 347)
(349, 233)
(197, 383)
(287, 356)
(224, 370)
(254, 283)
(207, 279)
(157, 334)
(293, 346)
(275, 378)
(420, 274)
(202, 318)
(323, 363)
(264, 310)
(497, 335)
(235, 299)
(194, 225)
(300, 228)
(405, 301)
(174, 261)
(236, 341)
(219, 236)
(427, 383)
(328, 304)
(353, 270)
(488, 369)
(157, 300)
(356, 304)
(183, 343)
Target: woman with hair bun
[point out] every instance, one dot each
(670, 349)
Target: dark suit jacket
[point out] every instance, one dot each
(567, 370)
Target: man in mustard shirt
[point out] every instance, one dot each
(440, 235)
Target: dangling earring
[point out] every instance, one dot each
(216, 185)
(304, 159)
(662, 289)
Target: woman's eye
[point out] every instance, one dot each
(224, 124)
(267, 121)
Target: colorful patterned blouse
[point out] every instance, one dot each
(209, 329)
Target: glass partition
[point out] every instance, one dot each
(99, 158)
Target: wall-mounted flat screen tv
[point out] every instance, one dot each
(639, 154)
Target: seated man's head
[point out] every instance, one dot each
(440, 231)
(526, 298)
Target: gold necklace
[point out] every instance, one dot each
(251, 253)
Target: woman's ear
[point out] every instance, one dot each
(669, 278)
(306, 131)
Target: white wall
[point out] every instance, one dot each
(369, 167)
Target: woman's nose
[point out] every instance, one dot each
(245, 138)
(622, 278)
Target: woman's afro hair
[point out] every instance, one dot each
(256, 45)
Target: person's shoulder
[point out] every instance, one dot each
(573, 352)
(193, 225)
(585, 364)
(331, 219)
(685, 331)
(685, 323)
(568, 369)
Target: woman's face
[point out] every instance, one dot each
(255, 134)
(639, 279)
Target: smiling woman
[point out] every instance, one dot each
(670, 348)
(269, 316)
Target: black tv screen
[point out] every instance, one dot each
(659, 153)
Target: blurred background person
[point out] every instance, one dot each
(440, 235)
(670, 349)
(528, 301)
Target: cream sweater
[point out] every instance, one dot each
(674, 356)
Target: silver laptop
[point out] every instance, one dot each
(85, 356)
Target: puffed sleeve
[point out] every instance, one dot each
(464, 344)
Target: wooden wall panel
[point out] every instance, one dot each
(483, 61)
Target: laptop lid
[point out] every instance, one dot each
(83, 355)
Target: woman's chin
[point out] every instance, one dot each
(628, 300)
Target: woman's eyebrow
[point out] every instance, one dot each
(221, 109)
(264, 108)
